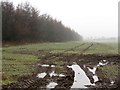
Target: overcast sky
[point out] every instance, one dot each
(90, 18)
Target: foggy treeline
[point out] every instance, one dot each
(24, 23)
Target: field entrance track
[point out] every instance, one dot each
(72, 49)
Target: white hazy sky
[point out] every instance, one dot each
(90, 18)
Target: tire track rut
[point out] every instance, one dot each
(84, 50)
(32, 82)
(61, 53)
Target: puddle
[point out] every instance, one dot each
(61, 75)
(52, 65)
(51, 85)
(95, 67)
(84, 66)
(53, 74)
(92, 70)
(101, 63)
(112, 82)
(80, 80)
(41, 75)
(45, 65)
(95, 77)
(104, 60)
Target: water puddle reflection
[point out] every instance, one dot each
(52, 74)
(101, 63)
(112, 82)
(92, 70)
(61, 75)
(80, 80)
(95, 77)
(55, 74)
(41, 75)
(45, 65)
(51, 85)
(52, 65)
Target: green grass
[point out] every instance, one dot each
(110, 71)
(16, 65)
(97, 48)
(19, 64)
(43, 46)
(103, 48)
(59, 66)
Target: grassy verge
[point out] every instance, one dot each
(16, 65)
(109, 71)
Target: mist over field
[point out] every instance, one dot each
(59, 45)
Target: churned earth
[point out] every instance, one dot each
(71, 70)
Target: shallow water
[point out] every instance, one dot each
(61, 75)
(112, 82)
(51, 85)
(41, 75)
(45, 65)
(95, 77)
(55, 74)
(52, 65)
(80, 79)
(101, 63)
(52, 74)
(92, 70)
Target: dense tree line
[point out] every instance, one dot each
(24, 23)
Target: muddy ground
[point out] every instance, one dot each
(53, 68)
(58, 63)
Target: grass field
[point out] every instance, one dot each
(21, 59)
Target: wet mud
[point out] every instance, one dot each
(54, 72)
(49, 73)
